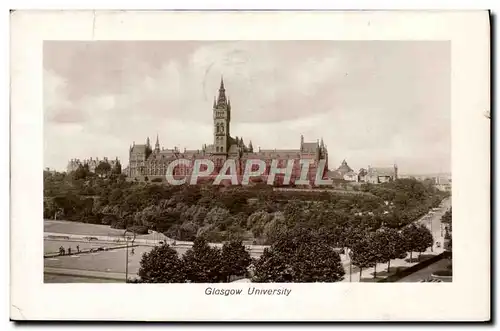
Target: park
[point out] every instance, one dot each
(367, 233)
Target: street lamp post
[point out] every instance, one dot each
(126, 251)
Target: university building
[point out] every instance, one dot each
(149, 162)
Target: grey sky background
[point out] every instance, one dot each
(373, 102)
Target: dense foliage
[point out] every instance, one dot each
(299, 256)
(256, 214)
(200, 264)
(162, 265)
(418, 238)
(447, 220)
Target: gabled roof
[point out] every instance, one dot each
(344, 168)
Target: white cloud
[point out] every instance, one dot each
(274, 100)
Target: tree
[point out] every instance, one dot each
(448, 239)
(299, 256)
(162, 265)
(417, 238)
(235, 259)
(396, 246)
(387, 244)
(117, 168)
(380, 246)
(362, 254)
(103, 168)
(410, 235)
(82, 172)
(203, 263)
(446, 218)
(424, 240)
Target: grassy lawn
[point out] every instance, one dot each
(80, 228)
(66, 227)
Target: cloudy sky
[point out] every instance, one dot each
(373, 102)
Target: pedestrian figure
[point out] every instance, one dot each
(132, 252)
(69, 250)
(78, 248)
(61, 250)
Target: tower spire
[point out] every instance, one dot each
(221, 100)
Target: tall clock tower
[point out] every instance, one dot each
(222, 119)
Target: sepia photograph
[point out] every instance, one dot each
(239, 168)
(247, 161)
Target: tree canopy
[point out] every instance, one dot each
(299, 256)
(162, 265)
(256, 214)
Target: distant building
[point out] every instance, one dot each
(343, 172)
(377, 175)
(443, 183)
(362, 174)
(374, 175)
(92, 163)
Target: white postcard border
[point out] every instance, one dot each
(467, 298)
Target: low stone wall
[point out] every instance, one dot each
(417, 267)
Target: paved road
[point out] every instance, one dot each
(433, 221)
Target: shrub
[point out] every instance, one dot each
(139, 229)
(118, 224)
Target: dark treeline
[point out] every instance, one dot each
(254, 213)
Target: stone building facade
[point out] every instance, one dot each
(150, 161)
